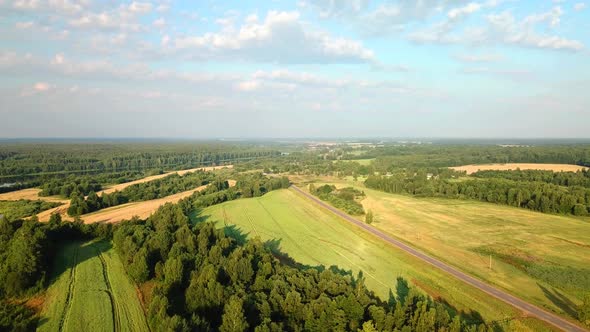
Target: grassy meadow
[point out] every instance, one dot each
(542, 258)
(91, 292)
(298, 229)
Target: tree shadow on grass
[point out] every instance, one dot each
(197, 216)
(72, 254)
(560, 301)
(68, 257)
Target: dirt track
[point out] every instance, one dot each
(526, 307)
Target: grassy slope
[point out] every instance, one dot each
(80, 298)
(314, 236)
(464, 233)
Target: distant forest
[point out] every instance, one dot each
(85, 166)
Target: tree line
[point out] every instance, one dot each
(567, 179)
(537, 196)
(158, 188)
(445, 155)
(65, 186)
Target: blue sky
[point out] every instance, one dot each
(350, 68)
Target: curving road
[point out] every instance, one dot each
(526, 307)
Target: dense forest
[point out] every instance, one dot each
(59, 167)
(25, 159)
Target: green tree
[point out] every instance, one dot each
(139, 269)
(233, 319)
(368, 327)
(369, 218)
(55, 218)
(584, 310)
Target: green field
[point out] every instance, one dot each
(313, 236)
(542, 258)
(91, 292)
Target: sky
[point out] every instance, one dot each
(307, 68)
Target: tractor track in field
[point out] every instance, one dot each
(68, 306)
(287, 233)
(109, 292)
(526, 307)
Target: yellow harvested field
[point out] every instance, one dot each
(30, 193)
(33, 193)
(126, 211)
(122, 186)
(507, 167)
(140, 209)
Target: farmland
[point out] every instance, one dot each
(470, 169)
(532, 253)
(312, 236)
(142, 209)
(122, 186)
(90, 291)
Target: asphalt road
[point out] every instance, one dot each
(526, 307)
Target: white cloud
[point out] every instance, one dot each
(59, 59)
(248, 85)
(282, 37)
(36, 88)
(553, 17)
(159, 23)
(580, 6)
(140, 7)
(393, 16)
(41, 86)
(502, 28)
(470, 8)
(523, 33)
(479, 58)
(105, 20)
(65, 7)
